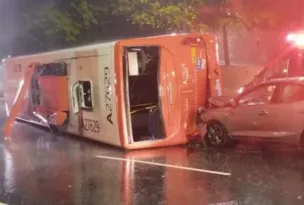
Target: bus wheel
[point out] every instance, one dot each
(217, 135)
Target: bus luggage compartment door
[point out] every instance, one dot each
(170, 101)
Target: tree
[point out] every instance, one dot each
(203, 14)
(265, 14)
(45, 25)
(180, 15)
(212, 15)
(172, 15)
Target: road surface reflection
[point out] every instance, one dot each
(40, 168)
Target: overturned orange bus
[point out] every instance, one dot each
(135, 93)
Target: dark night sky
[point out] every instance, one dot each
(113, 28)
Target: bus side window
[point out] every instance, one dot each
(133, 64)
(82, 96)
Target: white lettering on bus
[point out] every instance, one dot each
(108, 94)
(185, 74)
(18, 68)
(91, 125)
(186, 113)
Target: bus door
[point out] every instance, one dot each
(144, 84)
(169, 91)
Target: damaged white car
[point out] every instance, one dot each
(273, 110)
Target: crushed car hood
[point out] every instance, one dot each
(219, 101)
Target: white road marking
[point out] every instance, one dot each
(2, 204)
(165, 165)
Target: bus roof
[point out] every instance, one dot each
(88, 46)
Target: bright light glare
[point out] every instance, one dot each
(291, 37)
(241, 90)
(40, 117)
(296, 39)
(217, 53)
(6, 109)
(299, 41)
(19, 90)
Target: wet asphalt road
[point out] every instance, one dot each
(37, 167)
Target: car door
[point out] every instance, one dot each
(252, 114)
(288, 109)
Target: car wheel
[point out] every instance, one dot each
(217, 135)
